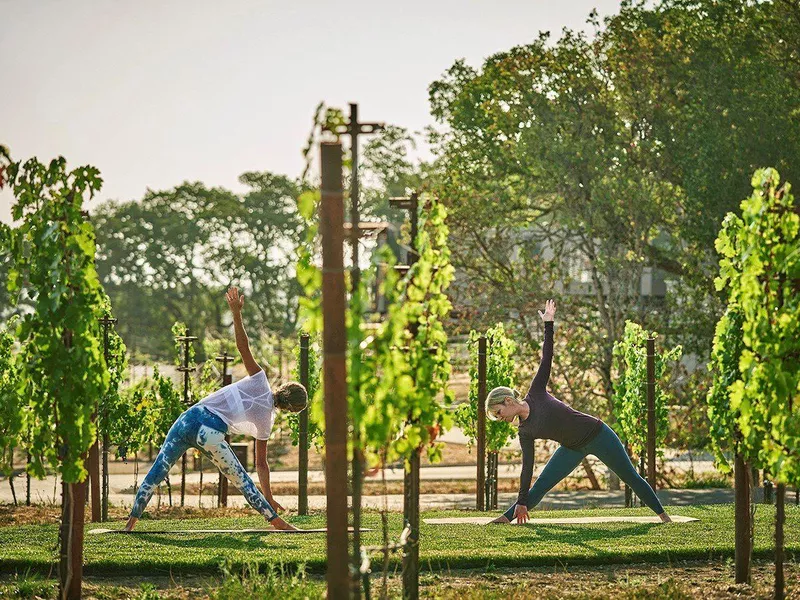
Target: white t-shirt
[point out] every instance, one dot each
(247, 406)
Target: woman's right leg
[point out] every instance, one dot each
(175, 444)
(212, 442)
(561, 464)
(608, 448)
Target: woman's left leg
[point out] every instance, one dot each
(608, 448)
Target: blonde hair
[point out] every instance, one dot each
(498, 396)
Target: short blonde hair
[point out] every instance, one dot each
(498, 396)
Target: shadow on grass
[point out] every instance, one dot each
(578, 536)
(214, 541)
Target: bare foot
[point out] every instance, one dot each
(499, 520)
(665, 518)
(130, 524)
(279, 523)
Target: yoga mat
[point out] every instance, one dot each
(201, 531)
(561, 521)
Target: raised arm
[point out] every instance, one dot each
(236, 302)
(543, 374)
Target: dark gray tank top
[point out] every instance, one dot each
(549, 418)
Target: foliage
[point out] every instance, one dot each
(728, 345)
(10, 400)
(574, 164)
(315, 433)
(499, 372)
(426, 306)
(711, 91)
(127, 419)
(630, 387)
(760, 270)
(62, 370)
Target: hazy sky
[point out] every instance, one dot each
(155, 93)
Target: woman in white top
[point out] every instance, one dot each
(245, 407)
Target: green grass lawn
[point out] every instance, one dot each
(34, 547)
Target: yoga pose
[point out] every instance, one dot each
(543, 416)
(245, 407)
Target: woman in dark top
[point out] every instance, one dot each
(543, 416)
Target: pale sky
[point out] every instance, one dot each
(157, 92)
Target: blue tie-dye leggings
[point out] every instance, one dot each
(199, 428)
(609, 449)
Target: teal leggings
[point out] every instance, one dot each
(609, 449)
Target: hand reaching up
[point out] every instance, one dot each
(235, 301)
(549, 311)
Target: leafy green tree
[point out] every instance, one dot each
(711, 88)
(61, 369)
(172, 255)
(53, 250)
(760, 269)
(544, 195)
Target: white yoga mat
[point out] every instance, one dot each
(202, 531)
(560, 521)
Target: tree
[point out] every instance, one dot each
(170, 257)
(546, 195)
(760, 269)
(725, 432)
(61, 369)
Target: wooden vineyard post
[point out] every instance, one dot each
(743, 542)
(93, 468)
(354, 129)
(334, 343)
(651, 413)
(185, 369)
(227, 379)
(302, 487)
(481, 505)
(106, 322)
